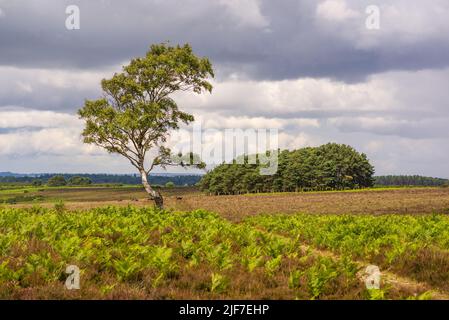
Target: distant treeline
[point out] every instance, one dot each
(179, 180)
(409, 181)
(328, 167)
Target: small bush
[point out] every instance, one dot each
(170, 185)
(59, 207)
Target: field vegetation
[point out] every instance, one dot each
(305, 245)
(374, 201)
(134, 252)
(412, 246)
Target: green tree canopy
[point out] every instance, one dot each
(328, 167)
(57, 181)
(414, 180)
(137, 111)
(79, 181)
(169, 185)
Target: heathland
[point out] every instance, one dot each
(306, 245)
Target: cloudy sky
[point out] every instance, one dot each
(310, 68)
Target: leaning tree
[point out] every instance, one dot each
(137, 111)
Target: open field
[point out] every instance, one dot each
(13, 195)
(370, 201)
(265, 246)
(130, 252)
(374, 201)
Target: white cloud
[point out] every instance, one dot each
(297, 140)
(293, 98)
(58, 79)
(246, 12)
(374, 146)
(32, 132)
(20, 118)
(55, 141)
(335, 10)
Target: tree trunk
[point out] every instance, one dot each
(154, 195)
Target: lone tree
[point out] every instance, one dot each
(137, 112)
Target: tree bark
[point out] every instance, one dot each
(154, 195)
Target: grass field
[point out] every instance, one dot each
(368, 201)
(266, 246)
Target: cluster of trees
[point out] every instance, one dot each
(410, 181)
(178, 180)
(328, 167)
(59, 181)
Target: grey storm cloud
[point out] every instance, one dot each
(48, 89)
(270, 40)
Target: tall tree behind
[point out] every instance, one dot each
(137, 110)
